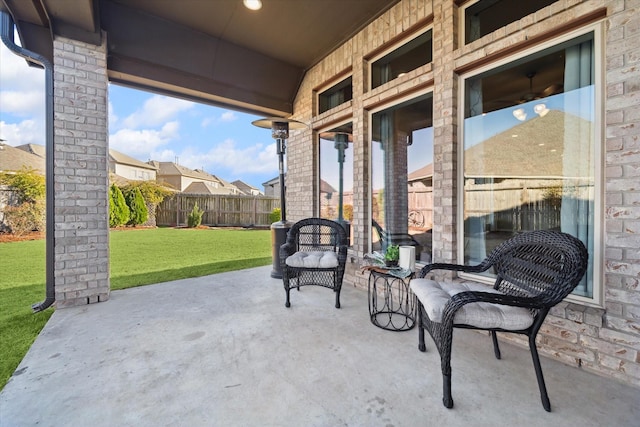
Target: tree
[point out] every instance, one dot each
(138, 212)
(29, 213)
(118, 209)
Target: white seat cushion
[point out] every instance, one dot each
(434, 296)
(313, 259)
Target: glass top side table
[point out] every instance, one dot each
(392, 305)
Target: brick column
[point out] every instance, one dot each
(445, 144)
(81, 178)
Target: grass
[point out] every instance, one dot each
(138, 257)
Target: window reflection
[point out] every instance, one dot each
(402, 176)
(336, 175)
(529, 153)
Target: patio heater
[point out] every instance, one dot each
(341, 143)
(280, 132)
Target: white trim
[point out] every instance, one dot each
(597, 300)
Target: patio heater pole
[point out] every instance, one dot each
(341, 143)
(280, 132)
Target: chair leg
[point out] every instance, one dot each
(421, 346)
(496, 347)
(536, 364)
(337, 291)
(287, 302)
(447, 400)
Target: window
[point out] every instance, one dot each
(335, 95)
(486, 16)
(407, 57)
(402, 173)
(336, 173)
(531, 155)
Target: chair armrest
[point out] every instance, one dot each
(287, 250)
(455, 267)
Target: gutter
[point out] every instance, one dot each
(6, 33)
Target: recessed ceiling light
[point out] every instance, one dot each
(252, 4)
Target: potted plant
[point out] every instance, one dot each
(391, 255)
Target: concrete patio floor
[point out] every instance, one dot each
(223, 350)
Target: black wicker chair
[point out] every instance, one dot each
(315, 253)
(535, 271)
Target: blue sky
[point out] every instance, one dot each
(147, 126)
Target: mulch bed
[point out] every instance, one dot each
(34, 235)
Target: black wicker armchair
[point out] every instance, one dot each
(315, 253)
(535, 271)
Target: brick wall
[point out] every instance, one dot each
(81, 179)
(605, 340)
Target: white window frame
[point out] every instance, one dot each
(598, 226)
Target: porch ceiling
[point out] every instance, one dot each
(211, 51)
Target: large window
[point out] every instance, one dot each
(402, 175)
(336, 173)
(530, 159)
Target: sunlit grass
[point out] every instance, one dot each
(138, 257)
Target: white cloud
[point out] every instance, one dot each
(227, 156)
(228, 116)
(143, 143)
(16, 74)
(29, 103)
(113, 118)
(21, 88)
(25, 132)
(156, 111)
(225, 117)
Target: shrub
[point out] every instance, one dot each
(275, 216)
(347, 211)
(195, 217)
(151, 191)
(29, 185)
(118, 209)
(26, 217)
(138, 212)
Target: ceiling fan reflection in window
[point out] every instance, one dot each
(552, 89)
(540, 109)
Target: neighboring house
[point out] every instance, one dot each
(127, 167)
(246, 188)
(38, 150)
(15, 158)
(272, 187)
(328, 200)
(181, 178)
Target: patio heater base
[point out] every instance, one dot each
(279, 232)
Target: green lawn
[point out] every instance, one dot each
(138, 257)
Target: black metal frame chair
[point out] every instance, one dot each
(315, 253)
(535, 271)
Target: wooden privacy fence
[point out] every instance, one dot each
(219, 210)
